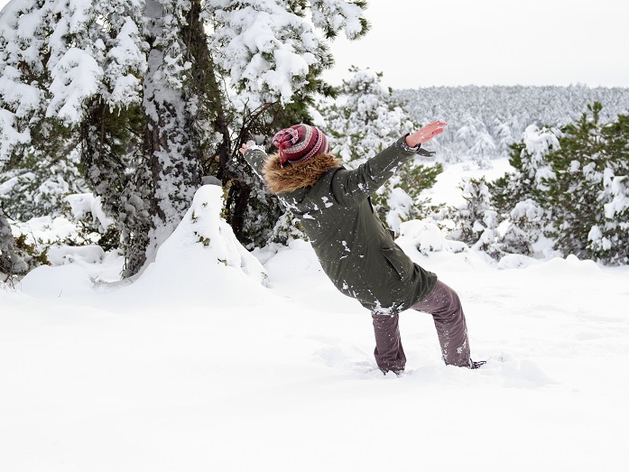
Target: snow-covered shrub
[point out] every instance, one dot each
(287, 228)
(518, 197)
(425, 237)
(531, 166)
(93, 224)
(422, 237)
(586, 194)
(570, 187)
(203, 238)
(476, 221)
(608, 240)
(524, 229)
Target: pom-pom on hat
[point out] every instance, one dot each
(300, 143)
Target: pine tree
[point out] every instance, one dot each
(532, 168)
(519, 197)
(570, 186)
(172, 144)
(590, 172)
(608, 241)
(477, 221)
(574, 186)
(77, 65)
(475, 141)
(154, 94)
(38, 158)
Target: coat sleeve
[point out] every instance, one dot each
(350, 187)
(255, 157)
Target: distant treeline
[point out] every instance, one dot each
(484, 121)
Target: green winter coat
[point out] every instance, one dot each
(354, 248)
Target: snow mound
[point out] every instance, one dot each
(516, 261)
(57, 282)
(204, 256)
(427, 238)
(102, 267)
(204, 233)
(90, 254)
(570, 267)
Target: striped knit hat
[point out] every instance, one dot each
(300, 143)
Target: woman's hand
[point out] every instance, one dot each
(426, 133)
(245, 146)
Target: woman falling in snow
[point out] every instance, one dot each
(354, 248)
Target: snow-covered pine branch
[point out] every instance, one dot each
(269, 49)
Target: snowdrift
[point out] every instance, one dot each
(212, 360)
(202, 256)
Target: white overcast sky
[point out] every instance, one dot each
(419, 43)
(492, 42)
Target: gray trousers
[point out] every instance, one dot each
(445, 307)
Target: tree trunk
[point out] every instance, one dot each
(172, 151)
(11, 263)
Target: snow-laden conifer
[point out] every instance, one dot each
(151, 95)
(569, 190)
(476, 221)
(269, 49)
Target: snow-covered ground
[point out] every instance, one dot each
(214, 360)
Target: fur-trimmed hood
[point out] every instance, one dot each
(295, 176)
